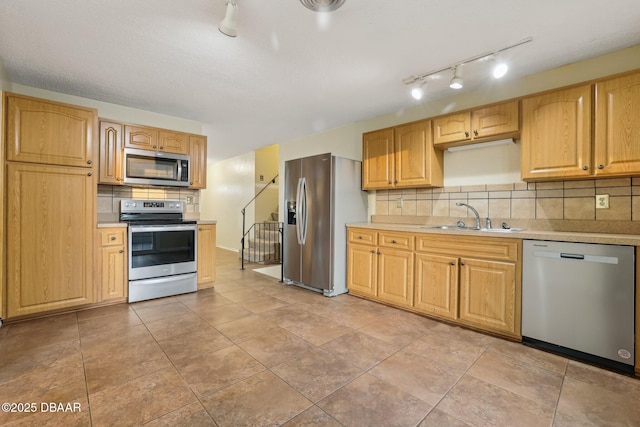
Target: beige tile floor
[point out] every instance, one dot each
(255, 352)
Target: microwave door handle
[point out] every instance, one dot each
(179, 177)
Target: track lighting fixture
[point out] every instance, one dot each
(456, 81)
(499, 70)
(322, 5)
(229, 25)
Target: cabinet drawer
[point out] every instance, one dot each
(478, 247)
(112, 237)
(363, 237)
(396, 240)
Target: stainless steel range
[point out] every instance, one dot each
(162, 249)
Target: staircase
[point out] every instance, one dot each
(262, 243)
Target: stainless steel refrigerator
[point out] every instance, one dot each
(322, 194)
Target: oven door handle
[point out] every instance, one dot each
(152, 228)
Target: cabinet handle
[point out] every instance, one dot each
(600, 166)
(89, 174)
(360, 237)
(117, 179)
(113, 237)
(373, 251)
(475, 132)
(461, 262)
(453, 263)
(120, 251)
(161, 147)
(393, 241)
(155, 146)
(466, 133)
(585, 168)
(89, 162)
(395, 182)
(378, 252)
(190, 182)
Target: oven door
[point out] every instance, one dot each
(162, 250)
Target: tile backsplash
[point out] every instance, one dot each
(109, 197)
(558, 200)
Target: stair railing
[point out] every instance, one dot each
(243, 211)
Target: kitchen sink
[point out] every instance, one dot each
(488, 230)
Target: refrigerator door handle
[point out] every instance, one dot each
(299, 211)
(304, 210)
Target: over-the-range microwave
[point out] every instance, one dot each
(143, 167)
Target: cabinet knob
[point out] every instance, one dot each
(475, 132)
(373, 251)
(120, 251)
(461, 262)
(190, 182)
(390, 182)
(89, 174)
(155, 146)
(466, 134)
(360, 237)
(199, 229)
(585, 168)
(396, 181)
(117, 179)
(378, 252)
(89, 162)
(600, 166)
(161, 147)
(113, 237)
(453, 263)
(393, 241)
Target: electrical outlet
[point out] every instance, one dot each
(602, 201)
(400, 203)
(189, 200)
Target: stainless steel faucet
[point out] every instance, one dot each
(475, 212)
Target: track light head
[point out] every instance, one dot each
(499, 70)
(456, 81)
(418, 92)
(229, 25)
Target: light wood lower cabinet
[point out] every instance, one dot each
(206, 255)
(436, 287)
(50, 234)
(112, 263)
(473, 281)
(488, 294)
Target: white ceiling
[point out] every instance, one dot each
(290, 72)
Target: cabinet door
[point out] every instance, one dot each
(617, 127)
(141, 137)
(395, 277)
(362, 270)
(556, 135)
(198, 155)
(417, 164)
(206, 255)
(377, 160)
(110, 153)
(452, 128)
(436, 290)
(173, 142)
(114, 278)
(496, 120)
(488, 294)
(49, 133)
(50, 235)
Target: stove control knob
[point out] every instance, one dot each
(134, 204)
(126, 205)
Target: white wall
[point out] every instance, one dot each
(230, 186)
(267, 167)
(5, 81)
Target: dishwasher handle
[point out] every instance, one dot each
(571, 256)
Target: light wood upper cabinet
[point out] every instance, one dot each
(110, 171)
(48, 132)
(377, 160)
(479, 125)
(206, 255)
(173, 142)
(141, 137)
(148, 138)
(417, 164)
(111, 270)
(50, 235)
(198, 156)
(556, 135)
(401, 157)
(617, 127)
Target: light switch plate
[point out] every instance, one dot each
(602, 201)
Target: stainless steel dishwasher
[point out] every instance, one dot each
(578, 299)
